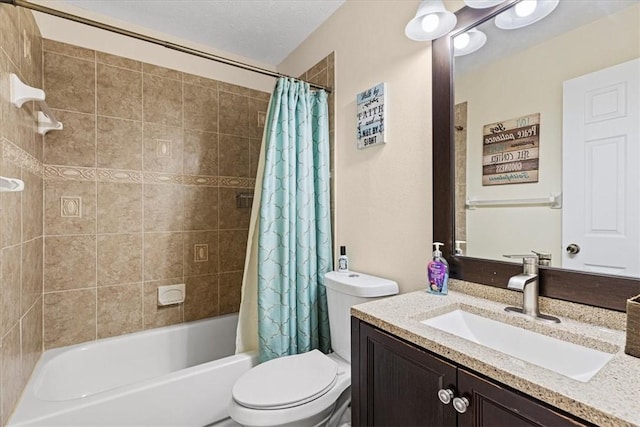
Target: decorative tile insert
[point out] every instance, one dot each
(163, 148)
(19, 157)
(26, 47)
(262, 118)
(71, 207)
(200, 252)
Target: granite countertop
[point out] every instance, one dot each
(610, 398)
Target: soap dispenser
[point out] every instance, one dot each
(438, 272)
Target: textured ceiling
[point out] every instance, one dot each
(262, 30)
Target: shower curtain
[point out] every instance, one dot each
(289, 247)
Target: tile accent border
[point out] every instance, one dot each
(19, 157)
(70, 172)
(126, 176)
(207, 181)
(161, 178)
(115, 175)
(237, 182)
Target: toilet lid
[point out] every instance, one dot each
(286, 382)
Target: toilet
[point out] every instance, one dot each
(310, 389)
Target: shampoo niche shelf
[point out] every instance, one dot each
(21, 93)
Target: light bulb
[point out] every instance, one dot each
(526, 8)
(461, 41)
(430, 22)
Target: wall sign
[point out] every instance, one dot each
(510, 151)
(371, 116)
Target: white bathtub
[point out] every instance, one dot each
(175, 376)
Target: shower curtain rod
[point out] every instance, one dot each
(167, 44)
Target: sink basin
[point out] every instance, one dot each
(571, 360)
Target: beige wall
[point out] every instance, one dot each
(383, 193)
(21, 212)
(495, 231)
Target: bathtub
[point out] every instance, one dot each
(179, 375)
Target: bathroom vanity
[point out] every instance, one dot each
(400, 384)
(407, 373)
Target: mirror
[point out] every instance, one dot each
(515, 196)
(602, 290)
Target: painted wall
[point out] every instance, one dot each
(21, 215)
(383, 193)
(492, 232)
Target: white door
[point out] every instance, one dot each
(600, 172)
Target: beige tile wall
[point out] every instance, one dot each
(140, 191)
(21, 257)
(137, 191)
(460, 122)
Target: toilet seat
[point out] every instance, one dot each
(286, 382)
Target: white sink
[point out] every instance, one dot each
(572, 360)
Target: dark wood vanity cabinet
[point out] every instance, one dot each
(395, 383)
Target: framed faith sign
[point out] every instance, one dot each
(371, 120)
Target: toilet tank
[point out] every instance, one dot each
(346, 289)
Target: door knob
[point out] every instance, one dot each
(573, 249)
(445, 395)
(460, 404)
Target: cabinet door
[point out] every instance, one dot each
(492, 405)
(396, 384)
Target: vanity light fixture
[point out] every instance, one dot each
(468, 42)
(482, 4)
(525, 13)
(432, 20)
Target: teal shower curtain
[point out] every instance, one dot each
(294, 243)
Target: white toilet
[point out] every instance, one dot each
(310, 389)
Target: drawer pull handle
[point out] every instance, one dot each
(445, 395)
(461, 404)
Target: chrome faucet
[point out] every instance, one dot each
(527, 283)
